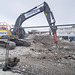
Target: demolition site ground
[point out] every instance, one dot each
(43, 57)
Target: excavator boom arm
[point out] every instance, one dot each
(36, 10)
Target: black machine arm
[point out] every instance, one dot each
(36, 10)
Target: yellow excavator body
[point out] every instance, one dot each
(5, 33)
(4, 30)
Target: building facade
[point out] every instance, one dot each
(66, 32)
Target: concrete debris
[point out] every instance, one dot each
(11, 63)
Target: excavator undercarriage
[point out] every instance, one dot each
(12, 43)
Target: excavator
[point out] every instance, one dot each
(18, 33)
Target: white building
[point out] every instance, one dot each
(70, 32)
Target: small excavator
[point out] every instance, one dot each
(18, 33)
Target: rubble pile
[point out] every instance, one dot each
(44, 57)
(59, 51)
(48, 58)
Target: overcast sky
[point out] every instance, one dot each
(63, 10)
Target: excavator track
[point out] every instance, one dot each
(5, 44)
(25, 42)
(21, 42)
